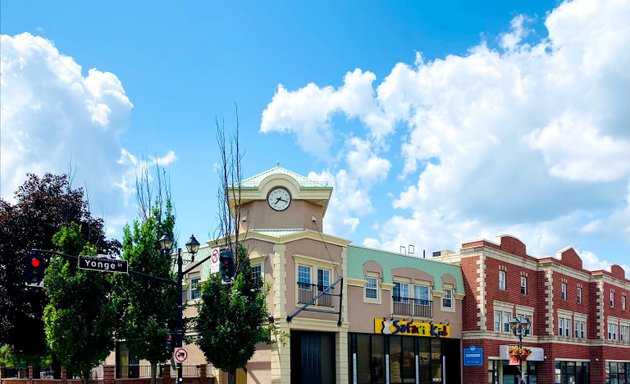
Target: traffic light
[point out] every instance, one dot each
(169, 342)
(34, 266)
(226, 260)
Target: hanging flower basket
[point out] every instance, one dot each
(519, 353)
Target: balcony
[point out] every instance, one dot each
(407, 306)
(306, 293)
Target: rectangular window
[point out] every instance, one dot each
(579, 328)
(612, 331)
(305, 289)
(563, 291)
(506, 321)
(502, 280)
(579, 295)
(623, 303)
(447, 299)
(371, 288)
(497, 320)
(421, 294)
(195, 293)
(612, 299)
(564, 327)
(523, 285)
(401, 292)
(623, 332)
(257, 275)
(560, 326)
(323, 282)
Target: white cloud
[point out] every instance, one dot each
(529, 138)
(55, 119)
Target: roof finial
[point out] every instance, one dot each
(278, 164)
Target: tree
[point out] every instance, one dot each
(231, 317)
(80, 318)
(42, 206)
(147, 306)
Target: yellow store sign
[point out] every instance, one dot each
(388, 326)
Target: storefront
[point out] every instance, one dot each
(404, 352)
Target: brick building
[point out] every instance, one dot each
(580, 319)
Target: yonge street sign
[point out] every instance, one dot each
(103, 264)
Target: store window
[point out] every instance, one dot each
(572, 372)
(617, 372)
(502, 280)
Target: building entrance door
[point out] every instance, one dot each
(312, 357)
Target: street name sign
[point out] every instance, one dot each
(103, 264)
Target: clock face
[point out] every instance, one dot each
(279, 199)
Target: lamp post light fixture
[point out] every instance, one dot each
(192, 246)
(520, 326)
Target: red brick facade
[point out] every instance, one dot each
(550, 299)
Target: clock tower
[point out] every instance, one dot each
(279, 199)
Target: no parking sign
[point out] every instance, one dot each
(181, 354)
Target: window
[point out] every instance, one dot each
(564, 326)
(195, 293)
(257, 275)
(421, 294)
(563, 291)
(612, 331)
(612, 299)
(579, 327)
(624, 331)
(579, 295)
(323, 282)
(401, 292)
(447, 299)
(502, 280)
(506, 321)
(371, 288)
(623, 303)
(497, 320)
(304, 276)
(523, 285)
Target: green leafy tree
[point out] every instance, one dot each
(80, 318)
(42, 206)
(231, 317)
(148, 307)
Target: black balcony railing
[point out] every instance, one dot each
(407, 306)
(306, 293)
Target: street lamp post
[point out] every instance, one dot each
(520, 327)
(192, 246)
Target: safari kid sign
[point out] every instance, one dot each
(389, 326)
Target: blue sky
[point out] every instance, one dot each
(436, 122)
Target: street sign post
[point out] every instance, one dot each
(103, 264)
(181, 354)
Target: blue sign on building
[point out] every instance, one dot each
(473, 356)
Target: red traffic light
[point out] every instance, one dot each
(35, 262)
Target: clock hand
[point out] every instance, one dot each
(281, 199)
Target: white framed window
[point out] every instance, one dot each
(447, 299)
(257, 275)
(579, 327)
(579, 295)
(612, 331)
(563, 291)
(371, 288)
(623, 302)
(195, 292)
(502, 280)
(624, 333)
(612, 299)
(506, 317)
(421, 295)
(498, 316)
(401, 292)
(523, 285)
(564, 326)
(304, 276)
